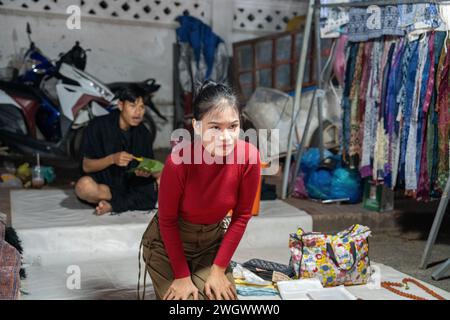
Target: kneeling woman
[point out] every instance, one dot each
(185, 247)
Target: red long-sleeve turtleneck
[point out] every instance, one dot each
(203, 194)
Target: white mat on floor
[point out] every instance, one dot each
(99, 280)
(117, 279)
(36, 209)
(54, 226)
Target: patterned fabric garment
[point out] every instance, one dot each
(381, 146)
(422, 97)
(357, 26)
(419, 18)
(346, 103)
(407, 93)
(370, 120)
(391, 18)
(423, 189)
(332, 20)
(10, 263)
(443, 126)
(366, 69)
(444, 14)
(411, 147)
(392, 125)
(373, 22)
(433, 120)
(388, 79)
(433, 150)
(355, 144)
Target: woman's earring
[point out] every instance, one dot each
(197, 127)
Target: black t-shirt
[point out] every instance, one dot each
(103, 137)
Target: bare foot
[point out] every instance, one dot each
(103, 207)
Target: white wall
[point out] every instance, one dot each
(119, 52)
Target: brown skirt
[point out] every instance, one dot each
(200, 243)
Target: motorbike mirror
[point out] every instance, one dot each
(29, 35)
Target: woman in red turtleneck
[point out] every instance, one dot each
(186, 248)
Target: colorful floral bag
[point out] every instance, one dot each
(341, 259)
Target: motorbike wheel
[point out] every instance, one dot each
(150, 124)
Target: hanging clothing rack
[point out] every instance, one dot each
(287, 185)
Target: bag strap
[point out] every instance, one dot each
(333, 256)
(349, 231)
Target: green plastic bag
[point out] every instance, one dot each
(149, 165)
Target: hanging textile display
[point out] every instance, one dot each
(396, 87)
(332, 20)
(396, 117)
(363, 23)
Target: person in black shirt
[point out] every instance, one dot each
(109, 147)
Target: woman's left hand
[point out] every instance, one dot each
(218, 287)
(157, 176)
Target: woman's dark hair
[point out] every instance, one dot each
(130, 92)
(211, 96)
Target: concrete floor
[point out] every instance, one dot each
(398, 239)
(404, 254)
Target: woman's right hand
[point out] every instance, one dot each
(181, 289)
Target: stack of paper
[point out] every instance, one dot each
(311, 289)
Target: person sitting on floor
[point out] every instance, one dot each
(109, 147)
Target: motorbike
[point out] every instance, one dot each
(34, 119)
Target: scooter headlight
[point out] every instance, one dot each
(104, 93)
(32, 65)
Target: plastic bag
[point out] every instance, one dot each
(346, 183)
(300, 188)
(149, 165)
(319, 184)
(311, 160)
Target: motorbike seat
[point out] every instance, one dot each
(148, 85)
(21, 90)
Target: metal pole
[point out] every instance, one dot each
(320, 96)
(298, 95)
(302, 143)
(436, 225)
(442, 271)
